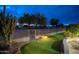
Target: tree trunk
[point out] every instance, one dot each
(10, 42)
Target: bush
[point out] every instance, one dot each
(72, 30)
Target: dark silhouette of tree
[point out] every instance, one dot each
(54, 22)
(36, 19)
(21, 21)
(26, 19)
(61, 25)
(39, 20)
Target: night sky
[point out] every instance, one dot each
(65, 13)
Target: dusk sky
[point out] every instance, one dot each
(65, 13)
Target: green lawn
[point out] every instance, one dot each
(44, 46)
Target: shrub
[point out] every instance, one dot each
(72, 31)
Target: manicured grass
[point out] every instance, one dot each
(44, 46)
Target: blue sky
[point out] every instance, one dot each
(65, 13)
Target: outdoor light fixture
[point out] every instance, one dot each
(44, 38)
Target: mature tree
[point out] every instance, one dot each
(21, 21)
(40, 20)
(10, 26)
(61, 25)
(54, 22)
(26, 18)
(36, 19)
(7, 25)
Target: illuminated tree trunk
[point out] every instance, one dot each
(8, 26)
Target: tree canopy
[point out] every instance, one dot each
(36, 19)
(54, 22)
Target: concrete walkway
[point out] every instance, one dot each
(27, 38)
